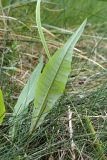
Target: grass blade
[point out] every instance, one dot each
(38, 21)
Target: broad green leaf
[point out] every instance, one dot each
(38, 21)
(52, 81)
(2, 107)
(27, 95)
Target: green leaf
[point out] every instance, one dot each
(27, 95)
(38, 21)
(2, 107)
(52, 81)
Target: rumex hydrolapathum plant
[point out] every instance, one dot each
(52, 81)
(49, 85)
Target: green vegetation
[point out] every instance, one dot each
(2, 107)
(53, 83)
